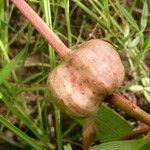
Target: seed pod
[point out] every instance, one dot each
(90, 73)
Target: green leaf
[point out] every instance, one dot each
(146, 81)
(19, 133)
(110, 125)
(146, 146)
(67, 147)
(146, 44)
(3, 52)
(119, 145)
(136, 88)
(147, 95)
(147, 88)
(144, 16)
(106, 7)
(135, 41)
(10, 66)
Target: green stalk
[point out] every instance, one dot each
(55, 22)
(3, 34)
(58, 128)
(67, 16)
(19, 133)
(2, 25)
(48, 18)
(4, 20)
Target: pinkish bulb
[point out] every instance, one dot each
(88, 75)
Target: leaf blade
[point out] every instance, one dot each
(144, 16)
(110, 125)
(10, 66)
(18, 132)
(118, 145)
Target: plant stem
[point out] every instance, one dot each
(48, 18)
(136, 133)
(58, 128)
(67, 16)
(88, 133)
(42, 27)
(129, 107)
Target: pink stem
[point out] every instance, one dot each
(42, 27)
(135, 133)
(129, 107)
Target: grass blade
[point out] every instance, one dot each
(128, 16)
(3, 27)
(90, 13)
(118, 145)
(10, 66)
(19, 133)
(22, 115)
(48, 19)
(67, 147)
(47, 12)
(144, 17)
(67, 16)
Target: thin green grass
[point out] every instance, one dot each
(20, 134)
(48, 18)
(67, 16)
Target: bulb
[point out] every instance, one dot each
(88, 75)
